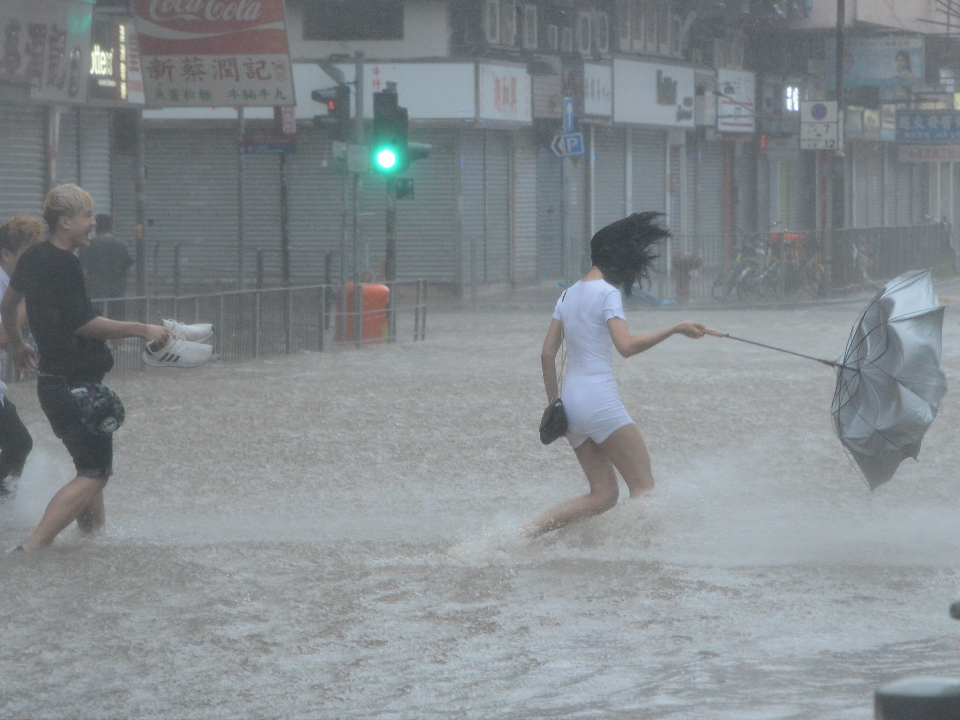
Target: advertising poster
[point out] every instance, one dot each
(114, 78)
(736, 101)
(46, 44)
(214, 53)
(883, 61)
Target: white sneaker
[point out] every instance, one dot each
(179, 353)
(194, 333)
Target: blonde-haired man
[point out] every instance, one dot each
(16, 235)
(73, 358)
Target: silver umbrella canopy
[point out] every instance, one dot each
(890, 380)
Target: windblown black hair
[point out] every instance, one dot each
(622, 250)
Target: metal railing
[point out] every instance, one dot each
(267, 322)
(803, 264)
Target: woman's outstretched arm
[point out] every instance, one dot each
(548, 358)
(628, 344)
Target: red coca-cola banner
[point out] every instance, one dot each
(214, 53)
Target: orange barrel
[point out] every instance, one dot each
(375, 298)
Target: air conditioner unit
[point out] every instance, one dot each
(508, 23)
(530, 27)
(553, 38)
(491, 21)
(584, 33)
(601, 32)
(623, 26)
(566, 40)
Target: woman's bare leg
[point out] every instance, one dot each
(93, 517)
(602, 496)
(628, 453)
(67, 505)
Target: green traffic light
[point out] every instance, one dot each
(387, 159)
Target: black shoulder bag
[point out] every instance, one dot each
(554, 422)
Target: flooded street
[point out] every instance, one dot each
(332, 536)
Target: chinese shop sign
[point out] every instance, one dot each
(505, 93)
(937, 126)
(214, 53)
(46, 43)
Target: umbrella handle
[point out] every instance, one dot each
(715, 333)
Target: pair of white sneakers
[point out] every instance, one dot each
(184, 347)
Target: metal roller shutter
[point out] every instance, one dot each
(709, 188)
(649, 170)
(315, 198)
(609, 183)
(472, 217)
(496, 193)
(549, 215)
(83, 155)
(576, 217)
(868, 199)
(123, 202)
(427, 223)
(524, 208)
(23, 168)
(261, 215)
(191, 198)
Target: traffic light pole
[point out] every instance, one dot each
(391, 256)
(357, 184)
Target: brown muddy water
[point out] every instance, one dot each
(331, 536)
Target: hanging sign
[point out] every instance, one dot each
(114, 77)
(214, 53)
(46, 44)
(736, 103)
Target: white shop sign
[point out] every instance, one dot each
(504, 93)
(597, 90)
(653, 94)
(429, 91)
(736, 101)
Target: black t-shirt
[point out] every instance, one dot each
(51, 280)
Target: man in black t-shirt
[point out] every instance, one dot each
(73, 357)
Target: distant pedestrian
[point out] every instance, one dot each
(106, 263)
(589, 316)
(16, 235)
(73, 358)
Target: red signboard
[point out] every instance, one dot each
(214, 53)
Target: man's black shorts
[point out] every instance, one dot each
(92, 454)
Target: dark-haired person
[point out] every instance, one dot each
(73, 357)
(589, 316)
(16, 235)
(106, 264)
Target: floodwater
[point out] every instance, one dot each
(332, 536)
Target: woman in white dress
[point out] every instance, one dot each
(589, 315)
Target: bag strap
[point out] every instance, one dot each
(563, 354)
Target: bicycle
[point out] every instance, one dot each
(742, 277)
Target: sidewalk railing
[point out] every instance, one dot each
(253, 324)
(810, 263)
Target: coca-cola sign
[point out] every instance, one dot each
(210, 10)
(214, 53)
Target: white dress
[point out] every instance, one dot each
(590, 396)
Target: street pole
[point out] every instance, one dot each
(240, 173)
(357, 187)
(391, 255)
(139, 207)
(284, 222)
(838, 205)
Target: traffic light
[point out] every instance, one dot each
(337, 120)
(389, 147)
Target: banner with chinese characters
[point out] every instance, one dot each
(214, 53)
(597, 90)
(931, 127)
(505, 93)
(46, 43)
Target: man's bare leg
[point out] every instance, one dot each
(93, 517)
(72, 500)
(602, 496)
(628, 453)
